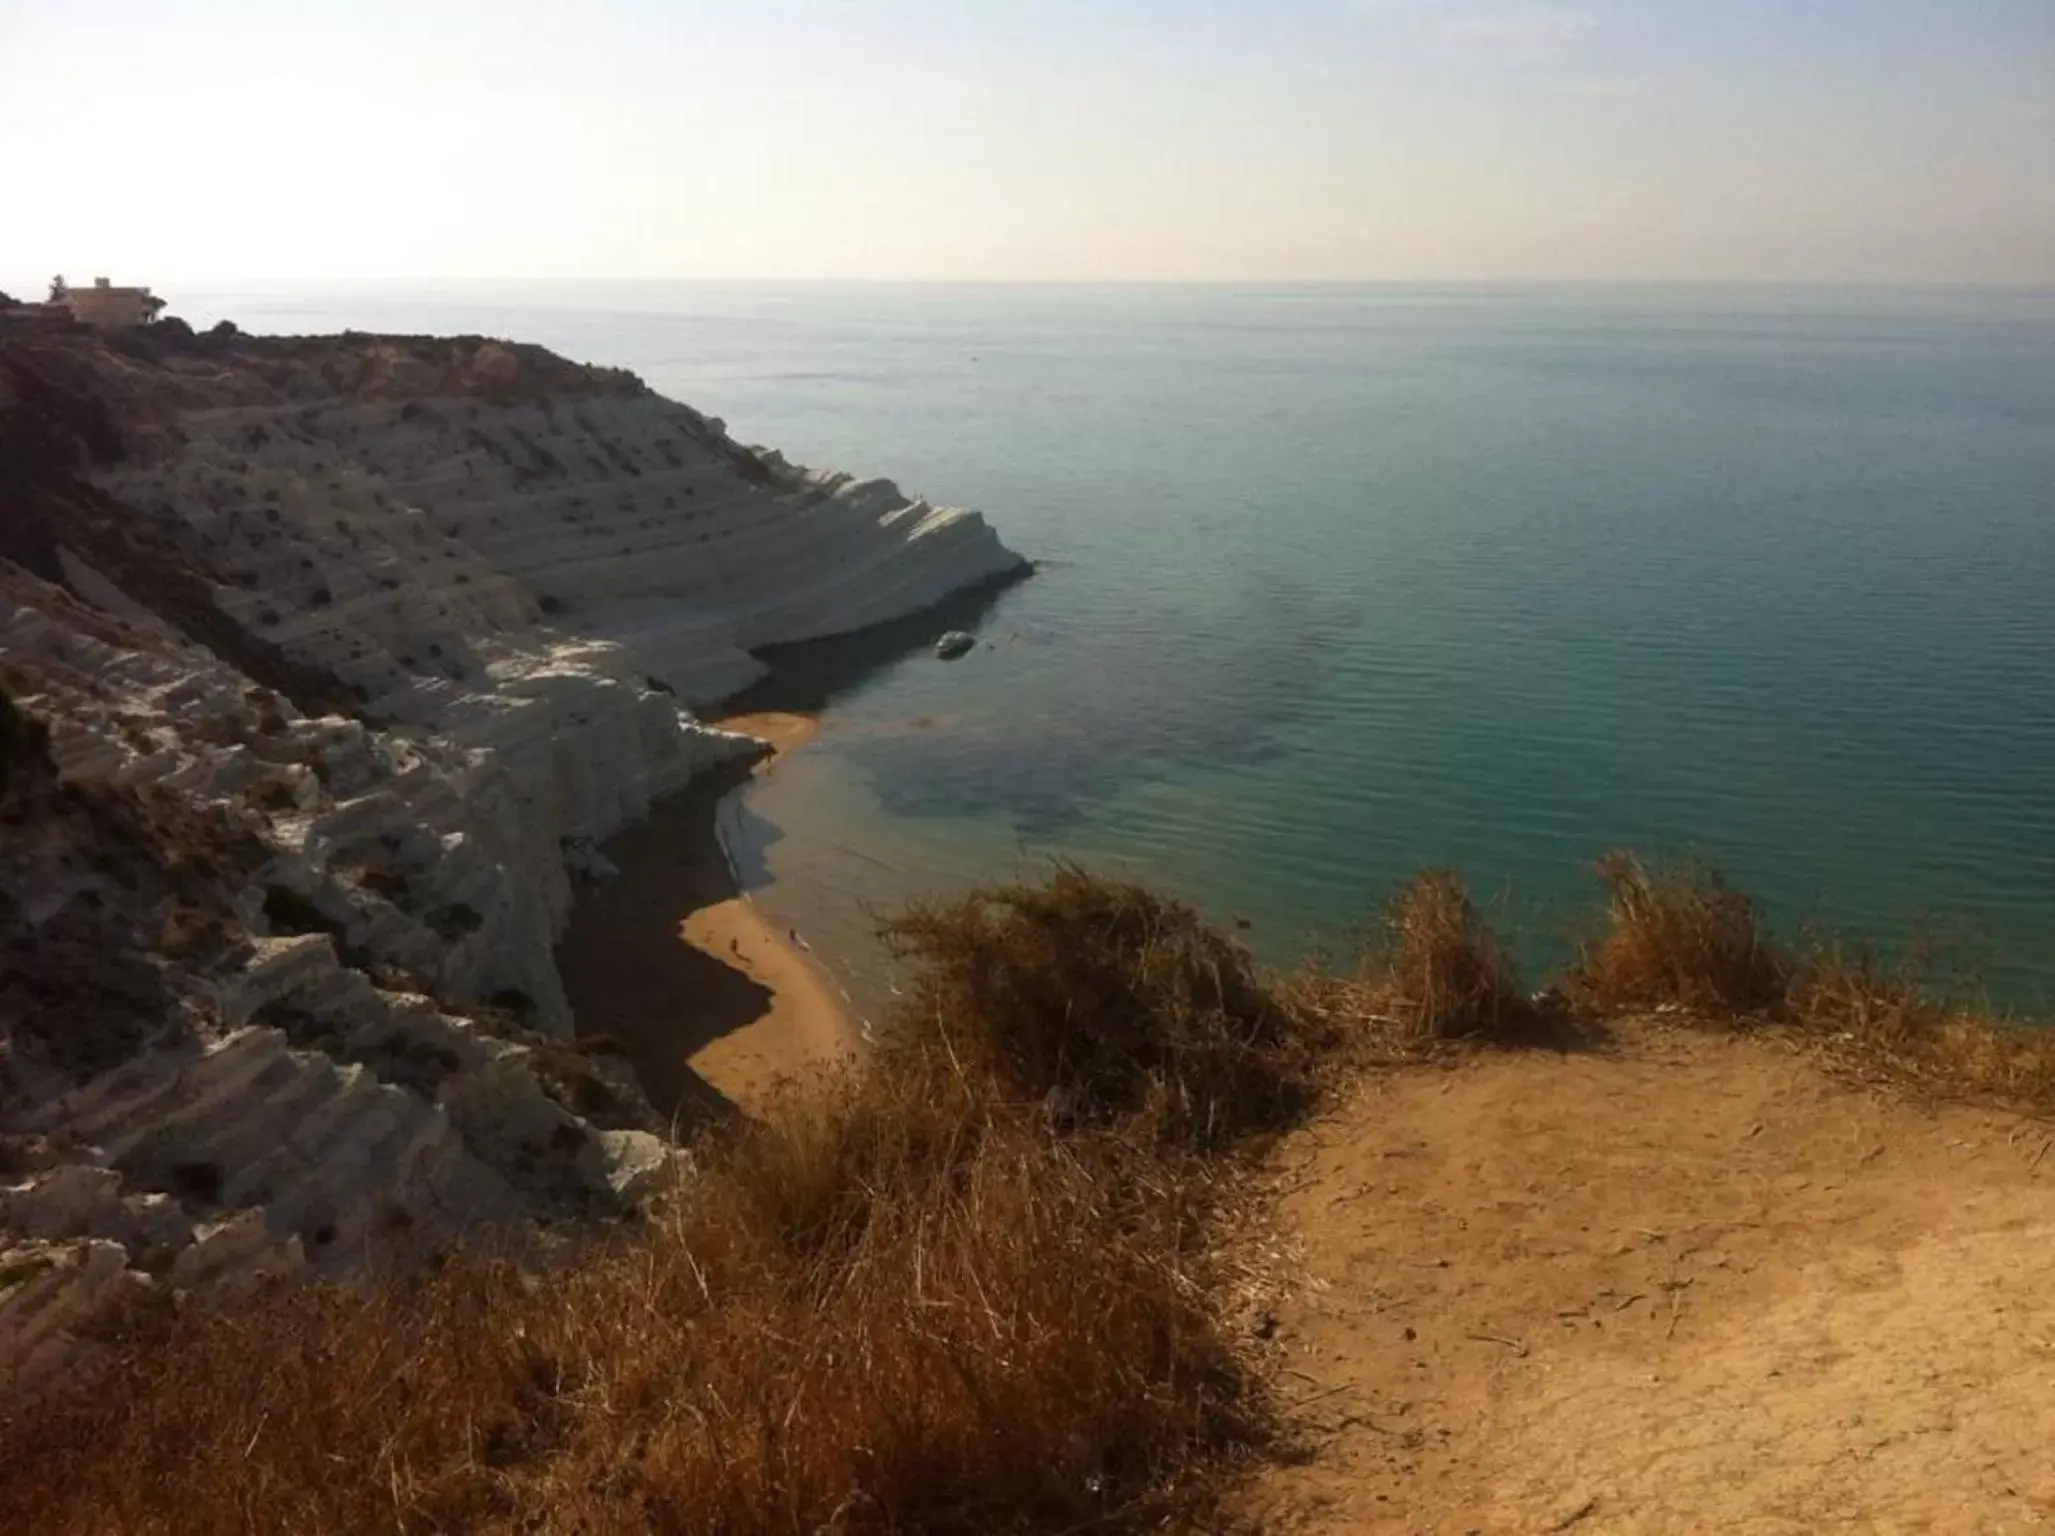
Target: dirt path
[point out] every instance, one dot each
(1687, 1285)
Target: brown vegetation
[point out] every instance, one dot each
(1445, 974)
(1886, 1020)
(1113, 1003)
(880, 1318)
(923, 1302)
(977, 1288)
(1679, 935)
(1432, 979)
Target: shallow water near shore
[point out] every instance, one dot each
(1339, 582)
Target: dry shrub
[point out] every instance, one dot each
(1432, 976)
(1852, 990)
(915, 1302)
(885, 1315)
(1111, 1002)
(1444, 974)
(1679, 935)
(1884, 1018)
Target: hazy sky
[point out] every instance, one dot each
(1069, 139)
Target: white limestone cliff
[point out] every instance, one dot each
(329, 661)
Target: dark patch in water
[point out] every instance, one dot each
(808, 676)
(1140, 718)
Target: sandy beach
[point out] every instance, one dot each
(715, 1005)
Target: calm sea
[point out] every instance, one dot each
(1340, 582)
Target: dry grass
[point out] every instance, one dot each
(1432, 978)
(1886, 1020)
(1445, 975)
(921, 1303)
(1678, 935)
(996, 1336)
(1111, 1004)
(977, 1289)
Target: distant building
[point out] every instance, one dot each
(110, 307)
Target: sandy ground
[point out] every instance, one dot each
(1676, 1283)
(716, 1006)
(806, 1026)
(1682, 1284)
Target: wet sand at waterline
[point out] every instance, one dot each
(715, 1006)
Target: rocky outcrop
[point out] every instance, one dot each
(324, 662)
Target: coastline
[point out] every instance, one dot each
(712, 1002)
(717, 1009)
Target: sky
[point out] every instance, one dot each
(1065, 140)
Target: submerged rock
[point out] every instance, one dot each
(954, 643)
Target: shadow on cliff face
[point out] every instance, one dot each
(808, 676)
(629, 973)
(632, 977)
(746, 838)
(68, 403)
(99, 885)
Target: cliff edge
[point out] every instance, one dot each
(324, 663)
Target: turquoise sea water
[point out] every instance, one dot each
(1343, 581)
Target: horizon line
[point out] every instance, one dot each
(2036, 284)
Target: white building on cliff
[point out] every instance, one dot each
(107, 306)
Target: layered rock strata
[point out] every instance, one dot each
(323, 665)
